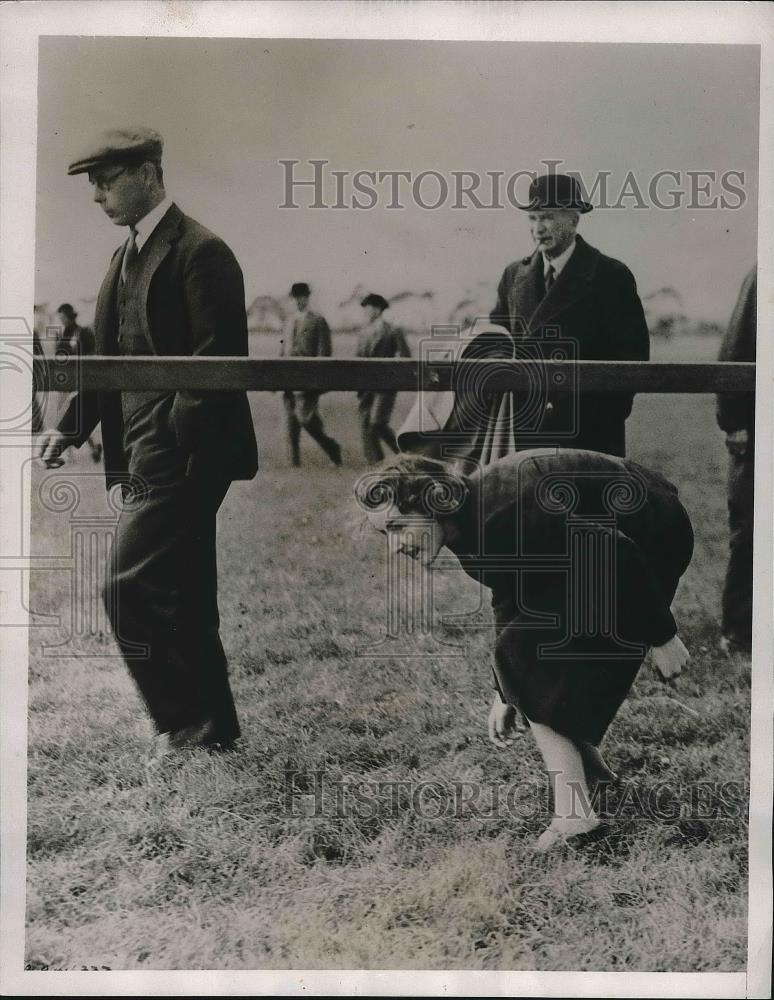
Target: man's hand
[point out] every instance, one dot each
(502, 723)
(52, 444)
(670, 658)
(737, 443)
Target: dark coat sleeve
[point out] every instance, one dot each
(325, 346)
(501, 312)
(624, 318)
(645, 611)
(402, 348)
(626, 332)
(215, 304)
(86, 340)
(80, 417)
(735, 410)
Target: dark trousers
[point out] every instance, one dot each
(737, 590)
(301, 409)
(374, 412)
(162, 600)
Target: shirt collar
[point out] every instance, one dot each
(148, 223)
(559, 262)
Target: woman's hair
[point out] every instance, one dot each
(415, 485)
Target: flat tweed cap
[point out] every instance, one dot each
(119, 145)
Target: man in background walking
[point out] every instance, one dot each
(378, 339)
(306, 335)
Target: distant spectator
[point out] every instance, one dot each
(378, 339)
(306, 335)
(37, 410)
(71, 337)
(736, 416)
(73, 340)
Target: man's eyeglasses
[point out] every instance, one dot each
(103, 183)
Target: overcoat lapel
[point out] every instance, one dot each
(105, 310)
(152, 254)
(572, 284)
(526, 291)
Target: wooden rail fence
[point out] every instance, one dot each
(386, 374)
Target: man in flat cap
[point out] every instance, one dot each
(306, 335)
(172, 288)
(565, 300)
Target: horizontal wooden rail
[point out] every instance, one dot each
(385, 374)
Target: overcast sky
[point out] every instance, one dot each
(229, 109)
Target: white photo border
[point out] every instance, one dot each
(21, 26)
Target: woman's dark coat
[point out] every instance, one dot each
(583, 553)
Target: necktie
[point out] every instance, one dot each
(130, 254)
(550, 277)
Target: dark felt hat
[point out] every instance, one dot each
(67, 309)
(119, 146)
(556, 191)
(376, 300)
(300, 288)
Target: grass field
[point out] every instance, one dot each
(206, 862)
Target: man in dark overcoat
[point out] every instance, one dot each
(172, 288)
(736, 416)
(565, 300)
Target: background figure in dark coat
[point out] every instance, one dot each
(306, 335)
(36, 424)
(565, 300)
(173, 288)
(583, 553)
(378, 339)
(74, 340)
(736, 416)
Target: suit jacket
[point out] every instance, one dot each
(382, 340)
(309, 339)
(193, 303)
(75, 339)
(736, 410)
(593, 305)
